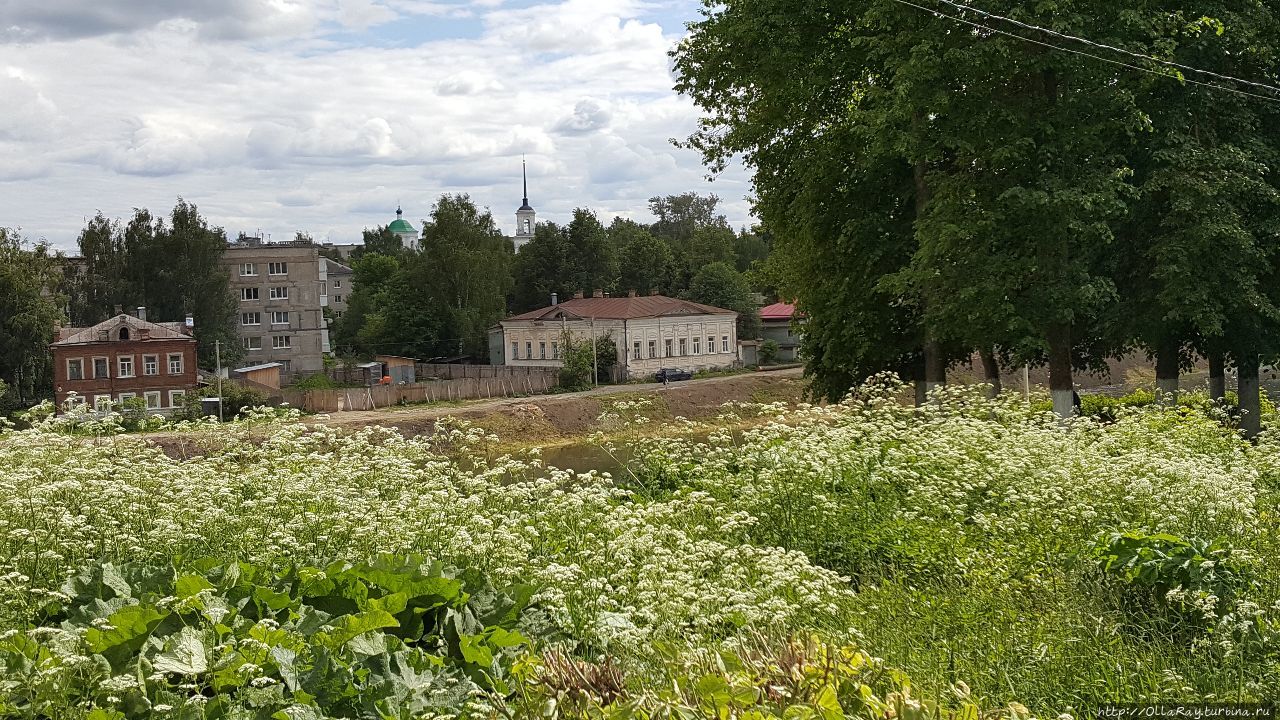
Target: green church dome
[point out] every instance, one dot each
(400, 225)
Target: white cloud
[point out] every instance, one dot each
(284, 122)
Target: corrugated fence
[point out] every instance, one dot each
(380, 396)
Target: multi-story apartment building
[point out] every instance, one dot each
(123, 358)
(282, 289)
(340, 278)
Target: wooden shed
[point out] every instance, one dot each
(401, 369)
(266, 374)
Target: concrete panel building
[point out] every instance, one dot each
(282, 290)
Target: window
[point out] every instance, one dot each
(280, 318)
(697, 346)
(175, 363)
(124, 333)
(176, 397)
(127, 396)
(542, 351)
(684, 346)
(100, 367)
(515, 350)
(653, 348)
(337, 284)
(74, 401)
(281, 342)
(667, 347)
(555, 350)
(248, 269)
(279, 293)
(124, 364)
(278, 268)
(75, 369)
(251, 343)
(337, 298)
(724, 344)
(153, 399)
(150, 364)
(248, 294)
(711, 345)
(102, 402)
(252, 318)
(635, 350)
(528, 350)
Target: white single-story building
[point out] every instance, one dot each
(651, 332)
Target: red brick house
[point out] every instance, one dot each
(125, 357)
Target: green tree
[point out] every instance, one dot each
(358, 331)
(593, 259)
(542, 267)
(696, 233)
(381, 241)
(751, 247)
(644, 261)
(468, 275)
(171, 269)
(719, 285)
(30, 309)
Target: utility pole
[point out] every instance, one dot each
(217, 356)
(595, 371)
(1026, 383)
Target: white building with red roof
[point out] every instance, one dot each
(651, 332)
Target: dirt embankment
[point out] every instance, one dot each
(551, 419)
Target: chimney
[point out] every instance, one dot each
(631, 293)
(577, 295)
(119, 309)
(555, 298)
(654, 292)
(191, 322)
(597, 293)
(142, 313)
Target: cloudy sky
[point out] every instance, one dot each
(321, 115)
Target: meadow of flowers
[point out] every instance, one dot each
(997, 557)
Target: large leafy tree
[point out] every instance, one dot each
(31, 306)
(720, 285)
(171, 268)
(542, 267)
(644, 261)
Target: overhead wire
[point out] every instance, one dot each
(1237, 91)
(1112, 48)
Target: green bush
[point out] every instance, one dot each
(768, 352)
(318, 381)
(400, 635)
(237, 399)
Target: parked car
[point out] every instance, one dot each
(668, 374)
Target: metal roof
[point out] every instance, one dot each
(622, 308)
(264, 366)
(157, 331)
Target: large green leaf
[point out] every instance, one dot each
(185, 654)
(129, 626)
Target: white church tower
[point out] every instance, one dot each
(525, 217)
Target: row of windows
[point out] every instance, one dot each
(154, 398)
(528, 350)
(125, 367)
(273, 268)
(670, 346)
(255, 318)
(280, 292)
(278, 342)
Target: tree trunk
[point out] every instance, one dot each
(990, 372)
(1250, 400)
(1167, 373)
(1217, 377)
(1061, 384)
(935, 367)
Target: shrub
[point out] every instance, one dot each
(768, 352)
(236, 640)
(318, 381)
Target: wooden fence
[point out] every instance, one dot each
(380, 396)
(431, 371)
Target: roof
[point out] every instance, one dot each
(400, 225)
(333, 267)
(778, 311)
(525, 207)
(111, 326)
(622, 308)
(254, 368)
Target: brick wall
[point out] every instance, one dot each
(139, 384)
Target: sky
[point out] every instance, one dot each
(279, 116)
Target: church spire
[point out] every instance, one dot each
(524, 173)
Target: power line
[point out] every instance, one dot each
(935, 11)
(1104, 46)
